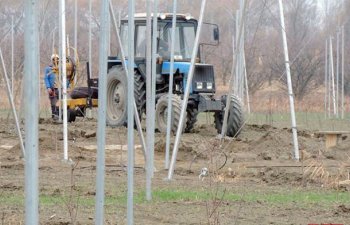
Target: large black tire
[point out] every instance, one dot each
(71, 115)
(116, 113)
(162, 112)
(235, 117)
(191, 118)
(117, 96)
(83, 92)
(140, 93)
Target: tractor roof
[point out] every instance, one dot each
(143, 16)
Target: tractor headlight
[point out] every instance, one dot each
(178, 57)
(209, 85)
(199, 85)
(162, 16)
(188, 16)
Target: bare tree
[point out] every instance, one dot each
(304, 46)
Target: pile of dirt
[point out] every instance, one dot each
(191, 145)
(279, 176)
(270, 143)
(342, 210)
(257, 144)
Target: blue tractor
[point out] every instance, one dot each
(203, 87)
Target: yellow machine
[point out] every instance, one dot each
(80, 98)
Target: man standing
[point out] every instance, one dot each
(51, 72)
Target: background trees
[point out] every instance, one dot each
(308, 23)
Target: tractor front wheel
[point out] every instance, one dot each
(162, 113)
(192, 113)
(235, 117)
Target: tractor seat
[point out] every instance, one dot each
(83, 92)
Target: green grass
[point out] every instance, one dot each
(182, 195)
(305, 120)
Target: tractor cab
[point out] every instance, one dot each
(185, 35)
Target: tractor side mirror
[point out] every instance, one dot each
(216, 34)
(213, 39)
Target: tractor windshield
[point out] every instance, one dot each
(184, 39)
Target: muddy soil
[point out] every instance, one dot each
(258, 162)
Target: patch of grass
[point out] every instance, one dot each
(182, 195)
(305, 120)
(166, 195)
(274, 198)
(298, 197)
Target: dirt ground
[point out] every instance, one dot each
(252, 179)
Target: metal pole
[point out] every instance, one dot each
(239, 39)
(53, 40)
(90, 35)
(337, 74)
(119, 18)
(234, 73)
(10, 97)
(60, 64)
(236, 76)
(148, 95)
(342, 70)
(130, 107)
(329, 79)
(187, 92)
(68, 46)
(241, 75)
(332, 77)
(239, 59)
(242, 68)
(88, 109)
(108, 35)
(122, 54)
(101, 126)
(246, 82)
(290, 87)
(31, 101)
(154, 74)
(326, 79)
(62, 10)
(171, 77)
(12, 54)
(75, 34)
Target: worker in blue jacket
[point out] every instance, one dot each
(51, 73)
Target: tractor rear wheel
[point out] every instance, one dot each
(117, 96)
(116, 113)
(162, 113)
(191, 118)
(235, 117)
